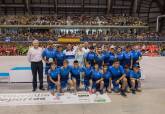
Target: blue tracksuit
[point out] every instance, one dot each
(120, 57)
(106, 57)
(127, 58)
(111, 58)
(135, 75)
(96, 75)
(64, 75)
(135, 56)
(54, 75)
(88, 75)
(90, 57)
(116, 74)
(107, 75)
(48, 53)
(60, 57)
(75, 73)
(99, 60)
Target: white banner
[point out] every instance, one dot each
(14, 99)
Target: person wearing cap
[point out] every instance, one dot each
(91, 56)
(107, 76)
(34, 56)
(118, 77)
(127, 57)
(48, 57)
(136, 55)
(97, 79)
(60, 56)
(54, 76)
(65, 77)
(76, 76)
(87, 75)
(112, 55)
(135, 76)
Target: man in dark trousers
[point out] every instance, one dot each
(35, 58)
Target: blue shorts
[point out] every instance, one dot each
(64, 83)
(52, 86)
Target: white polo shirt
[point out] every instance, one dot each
(34, 54)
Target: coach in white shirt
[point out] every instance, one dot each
(35, 58)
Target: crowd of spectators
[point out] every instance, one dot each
(96, 36)
(17, 49)
(71, 20)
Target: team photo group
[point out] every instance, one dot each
(86, 67)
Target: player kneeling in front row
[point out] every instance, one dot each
(97, 80)
(54, 77)
(107, 76)
(65, 77)
(135, 75)
(118, 76)
(87, 75)
(76, 72)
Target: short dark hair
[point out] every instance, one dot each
(116, 60)
(87, 62)
(66, 61)
(75, 61)
(128, 46)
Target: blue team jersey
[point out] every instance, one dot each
(127, 58)
(106, 57)
(54, 73)
(99, 59)
(135, 75)
(90, 57)
(111, 58)
(120, 57)
(136, 55)
(96, 75)
(116, 72)
(75, 72)
(64, 73)
(107, 75)
(60, 57)
(49, 53)
(127, 73)
(87, 72)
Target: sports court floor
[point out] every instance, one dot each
(150, 101)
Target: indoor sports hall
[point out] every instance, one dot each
(82, 56)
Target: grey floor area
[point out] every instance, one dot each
(150, 101)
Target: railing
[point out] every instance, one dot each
(90, 42)
(68, 26)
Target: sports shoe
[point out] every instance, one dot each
(138, 90)
(101, 92)
(128, 90)
(123, 93)
(133, 91)
(33, 90)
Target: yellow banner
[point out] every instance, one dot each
(70, 40)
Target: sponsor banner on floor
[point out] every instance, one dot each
(15, 99)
